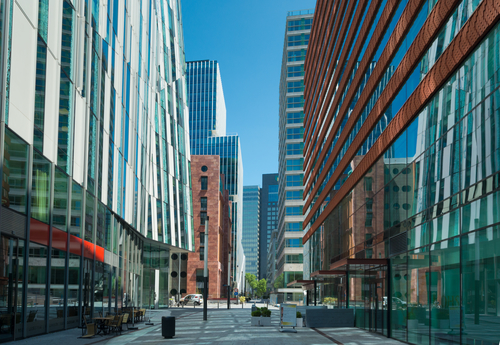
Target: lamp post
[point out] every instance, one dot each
(205, 273)
(229, 280)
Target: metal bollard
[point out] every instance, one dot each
(218, 305)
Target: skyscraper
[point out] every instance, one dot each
(402, 164)
(291, 132)
(95, 169)
(207, 121)
(268, 218)
(251, 228)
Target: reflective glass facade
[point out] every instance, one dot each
(251, 228)
(407, 226)
(95, 164)
(268, 219)
(291, 144)
(207, 123)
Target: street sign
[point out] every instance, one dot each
(236, 290)
(236, 293)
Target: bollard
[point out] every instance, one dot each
(218, 305)
(241, 305)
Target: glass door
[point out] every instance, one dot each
(378, 316)
(10, 318)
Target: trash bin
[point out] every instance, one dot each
(168, 326)
(254, 308)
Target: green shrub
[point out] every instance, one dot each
(299, 315)
(256, 312)
(265, 312)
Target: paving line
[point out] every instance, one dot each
(327, 336)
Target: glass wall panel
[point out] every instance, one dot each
(108, 232)
(99, 278)
(419, 277)
(88, 296)
(76, 210)
(163, 296)
(399, 298)
(73, 311)
(445, 292)
(480, 286)
(100, 229)
(56, 292)
(37, 285)
(40, 193)
(106, 289)
(89, 218)
(10, 313)
(15, 172)
(59, 215)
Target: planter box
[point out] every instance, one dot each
(265, 321)
(299, 322)
(412, 324)
(255, 320)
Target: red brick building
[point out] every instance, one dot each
(210, 198)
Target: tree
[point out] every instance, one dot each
(261, 287)
(252, 281)
(278, 283)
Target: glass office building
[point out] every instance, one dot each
(251, 228)
(207, 125)
(268, 219)
(402, 166)
(95, 164)
(289, 256)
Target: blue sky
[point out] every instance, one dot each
(246, 38)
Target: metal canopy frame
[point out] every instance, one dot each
(346, 265)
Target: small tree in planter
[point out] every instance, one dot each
(256, 316)
(300, 322)
(266, 317)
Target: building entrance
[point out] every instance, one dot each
(375, 308)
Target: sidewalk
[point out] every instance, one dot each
(223, 327)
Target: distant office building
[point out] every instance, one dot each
(402, 166)
(291, 133)
(207, 123)
(251, 228)
(268, 218)
(210, 199)
(96, 197)
(271, 258)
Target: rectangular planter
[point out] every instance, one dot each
(265, 321)
(299, 322)
(255, 320)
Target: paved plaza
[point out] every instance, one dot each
(223, 327)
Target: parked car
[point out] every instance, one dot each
(196, 299)
(396, 303)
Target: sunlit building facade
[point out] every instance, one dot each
(402, 164)
(96, 196)
(289, 255)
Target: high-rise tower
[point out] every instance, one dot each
(251, 228)
(291, 131)
(207, 121)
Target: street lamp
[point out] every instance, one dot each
(205, 273)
